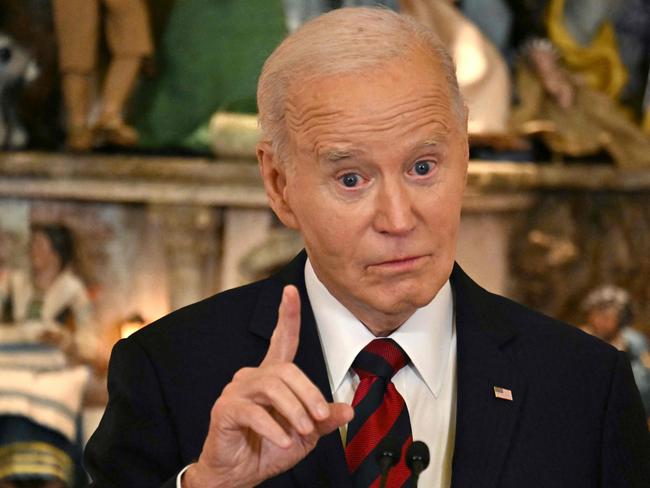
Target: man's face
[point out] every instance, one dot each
(374, 180)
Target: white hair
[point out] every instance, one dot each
(346, 40)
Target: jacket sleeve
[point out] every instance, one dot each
(135, 444)
(625, 457)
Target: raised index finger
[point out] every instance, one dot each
(284, 341)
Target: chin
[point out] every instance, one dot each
(398, 302)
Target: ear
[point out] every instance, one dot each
(466, 127)
(274, 175)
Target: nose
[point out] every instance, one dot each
(394, 210)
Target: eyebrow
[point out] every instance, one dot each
(336, 154)
(433, 141)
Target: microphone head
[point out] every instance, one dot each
(417, 453)
(388, 451)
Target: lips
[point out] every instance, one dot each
(400, 263)
(398, 260)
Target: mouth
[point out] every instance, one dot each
(401, 264)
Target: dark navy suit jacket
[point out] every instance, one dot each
(576, 418)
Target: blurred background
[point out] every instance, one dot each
(129, 186)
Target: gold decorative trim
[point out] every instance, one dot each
(29, 458)
(599, 63)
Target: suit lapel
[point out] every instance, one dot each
(325, 466)
(485, 423)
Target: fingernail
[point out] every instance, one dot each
(286, 442)
(322, 410)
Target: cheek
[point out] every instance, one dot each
(324, 217)
(336, 238)
(443, 217)
(331, 233)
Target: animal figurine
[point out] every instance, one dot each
(17, 68)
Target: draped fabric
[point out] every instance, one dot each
(40, 392)
(40, 408)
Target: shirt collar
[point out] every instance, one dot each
(426, 336)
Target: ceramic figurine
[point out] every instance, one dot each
(609, 315)
(126, 25)
(46, 339)
(17, 67)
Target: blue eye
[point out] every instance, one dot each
(350, 180)
(422, 167)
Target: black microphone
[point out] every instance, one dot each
(387, 456)
(417, 459)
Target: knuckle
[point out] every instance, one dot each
(242, 374)
(273, 386)
(227, 396)
(215, 412)
(227, 392)
(286, 370)
(292, 372)
(245, 410)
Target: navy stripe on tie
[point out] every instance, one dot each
(374, 364)
(367, 471)
(366, 407)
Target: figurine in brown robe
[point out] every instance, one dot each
(129, 41)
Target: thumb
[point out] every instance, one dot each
(284, 341)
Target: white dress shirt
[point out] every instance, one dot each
(428, 383)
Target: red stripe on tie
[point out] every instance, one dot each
(376, 427)
(362, 389)
(375, 484)
(400, 472)
(388, 352)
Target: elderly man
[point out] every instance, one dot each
(378, 334)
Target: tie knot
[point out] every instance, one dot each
(381, 357)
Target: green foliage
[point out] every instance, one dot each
(210, 56)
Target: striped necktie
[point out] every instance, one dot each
(379, 413)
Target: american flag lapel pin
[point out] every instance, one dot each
(502, 393)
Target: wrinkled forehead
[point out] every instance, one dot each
(406, 93)
(417, 64)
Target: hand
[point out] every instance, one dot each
(61, 338)
(268, 418)
(554, 78)
(52, 337)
